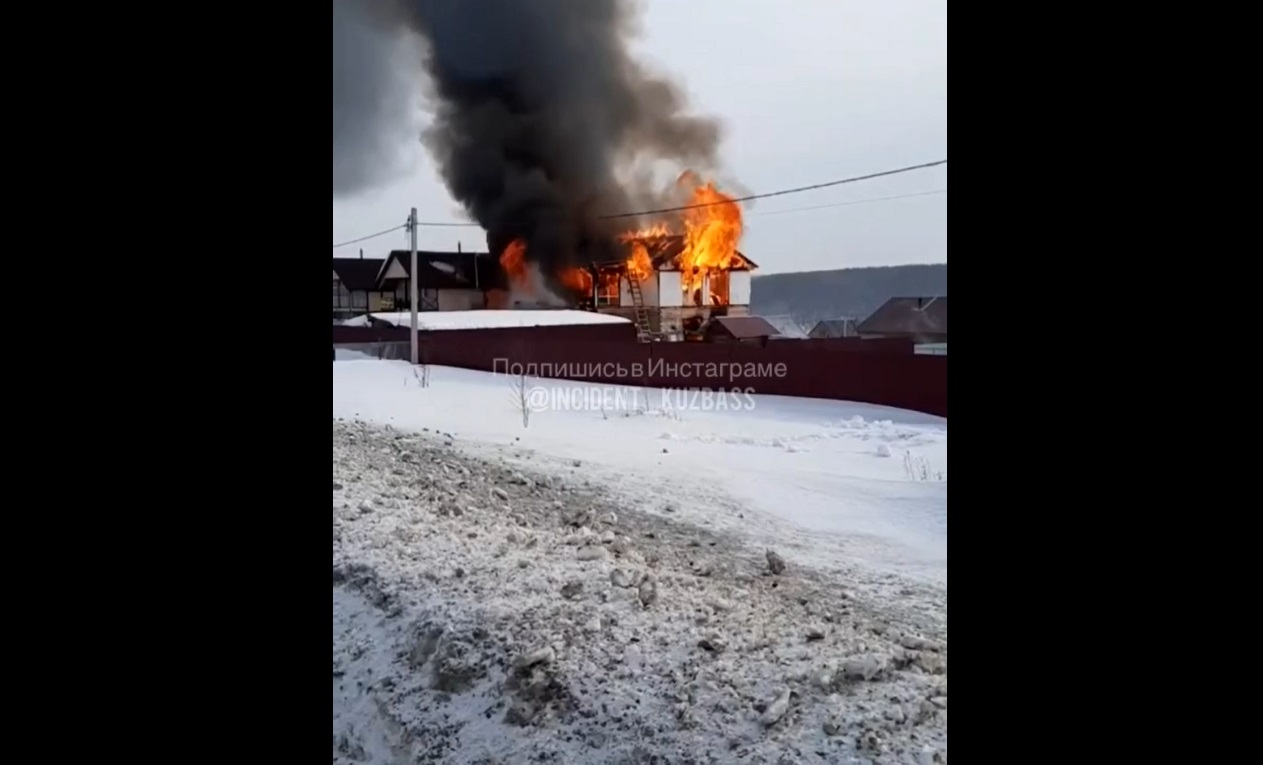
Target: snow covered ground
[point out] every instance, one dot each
(528, 569)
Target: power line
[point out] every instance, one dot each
(370, 236)
(738, 200)
(770, 194)
(845, 204)
(445, 225)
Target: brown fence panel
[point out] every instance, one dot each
(882, 372)
(351, 335)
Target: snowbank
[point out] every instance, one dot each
(485, 613)
(489, 319)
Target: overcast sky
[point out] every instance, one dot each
(809, 91)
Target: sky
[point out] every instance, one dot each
(808, 91)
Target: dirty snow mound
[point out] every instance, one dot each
(484, 614)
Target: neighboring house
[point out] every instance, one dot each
(739, 329)
(920, 319)
(446, 281)
(829, 329)
(355, 290)
(787, 327)
(658, 301)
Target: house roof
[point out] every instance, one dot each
(786, 326)
(358, 274)
(664, 250)
(908, 316)
(742, 327)
(449, 270)
(833, 328)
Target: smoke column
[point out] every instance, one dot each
(539, 111)
(375, 96)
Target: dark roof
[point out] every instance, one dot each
(664, 250)
(450, 270)
(489, 274)
(910, 316)
(742, 327)
(785, 324)
(358, 274)
(827, 328)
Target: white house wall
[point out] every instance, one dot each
(739, 287)
(648, 291)
(649, 288)
(670, 293)
(459, 300)
(395, 271)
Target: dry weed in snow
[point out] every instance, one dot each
(486, 615)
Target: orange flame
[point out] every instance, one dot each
(711, 232)
(639, 265)
(706, 234)
(610, 284)
(578, 280)
(513, 261)
(655, 231)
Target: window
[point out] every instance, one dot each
(720, 283)
(359, 300)
(607, 290)
(339, 294)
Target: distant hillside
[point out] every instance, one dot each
(814, 295)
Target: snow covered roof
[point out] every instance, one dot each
(437, 320)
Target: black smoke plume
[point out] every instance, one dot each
(541, 116)
(374, 96)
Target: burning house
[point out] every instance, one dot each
(669, 278)
(552, 136)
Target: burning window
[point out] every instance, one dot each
(578, 280)
(720, 283)
(607, 290)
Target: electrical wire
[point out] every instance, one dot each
(770, 194)
(845, 204)
(738, 200)
(370, 236)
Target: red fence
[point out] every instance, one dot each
(883, 372)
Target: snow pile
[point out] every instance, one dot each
(491, 319)
(487, 614)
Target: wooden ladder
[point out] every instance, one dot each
(644, 330)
